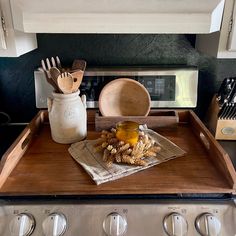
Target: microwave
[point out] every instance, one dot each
(168, 87)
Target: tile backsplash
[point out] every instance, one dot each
(17, 78)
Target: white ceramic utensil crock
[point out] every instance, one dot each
(67, 117)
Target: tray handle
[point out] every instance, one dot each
(25, 141)
(205, 141)
(217, 154)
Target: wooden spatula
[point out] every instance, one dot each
(55, 72)
(65, 82)
(78, 69)
(77, 76)
(78, 65)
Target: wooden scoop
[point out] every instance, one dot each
(78, 65)
(65, 82)
(77, 72)
(77, 76)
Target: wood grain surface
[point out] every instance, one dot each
(124, 97)
(161, 118)
(47, 168)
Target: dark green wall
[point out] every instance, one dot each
(16, 74)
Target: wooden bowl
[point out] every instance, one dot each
(124, 97)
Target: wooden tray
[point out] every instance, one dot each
(35, 165)
(156, 118)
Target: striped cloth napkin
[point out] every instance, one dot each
(84, 153)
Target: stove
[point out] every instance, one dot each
(119, 217)
(166, 215)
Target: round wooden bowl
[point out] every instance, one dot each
(124, 97)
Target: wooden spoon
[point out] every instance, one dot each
(65, 82)
(77, 72)
(77, 76)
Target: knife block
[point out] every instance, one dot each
(222, 129)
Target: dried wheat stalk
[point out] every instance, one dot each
(118, 151)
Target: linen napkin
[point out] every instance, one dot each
(84, 153)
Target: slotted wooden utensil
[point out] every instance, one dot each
(55, 72)
(77, 76)
(46, 66)
(65, 82)
(78, 65)
(48, 75)
(77, 73)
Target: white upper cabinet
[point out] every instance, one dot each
(2, 32)
(13, 43)
(231, 43)
(117, 16)
(221, 44)
(22, 19)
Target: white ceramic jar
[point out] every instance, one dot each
(67, 117)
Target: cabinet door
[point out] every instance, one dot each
(13, 43)
(2, 32)
(231, 45)
(221, 44)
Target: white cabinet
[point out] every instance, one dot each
(231, 44)
(22, 19)
(117, 16)
(2, 32)
(221, 44)
(13, 43)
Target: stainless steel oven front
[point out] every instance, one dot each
(118, 217)
(168, 87)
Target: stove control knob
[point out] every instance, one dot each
(207, 225)
(55, 224)
(175, 225)
(22, 224)
(115, 224)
